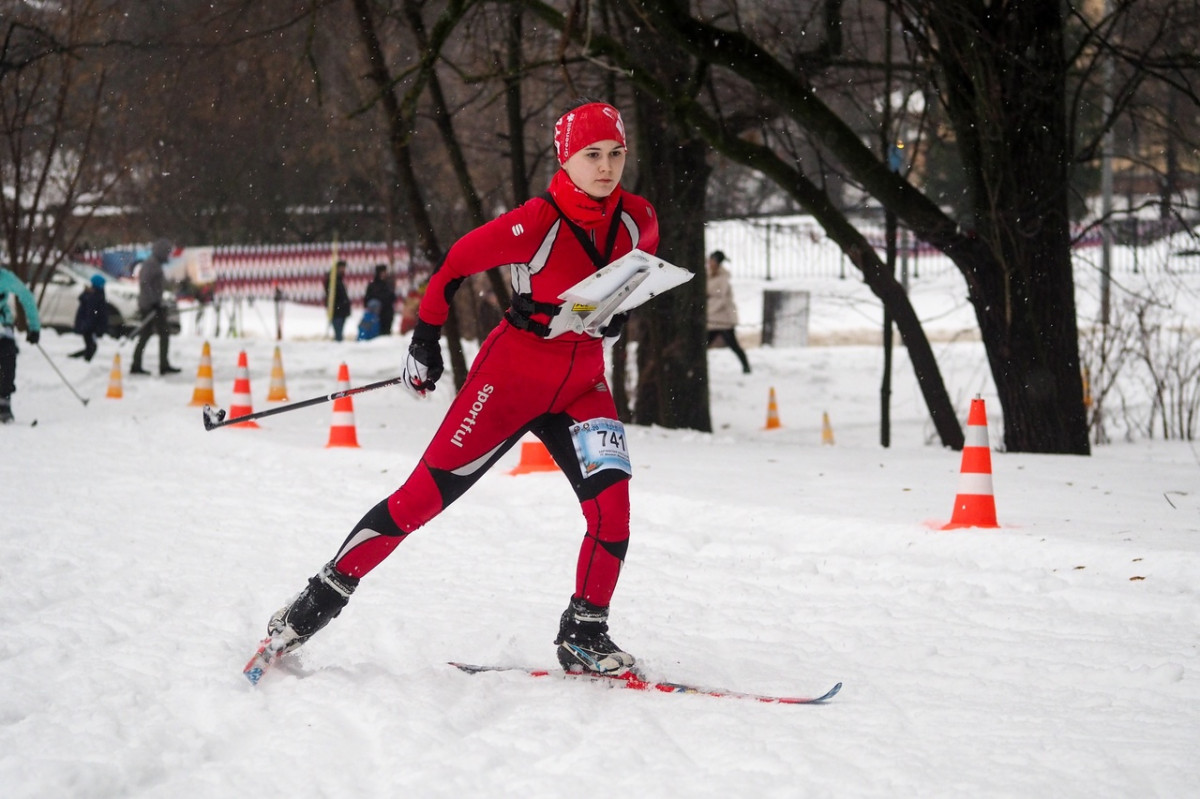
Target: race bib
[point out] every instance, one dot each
(600, 445)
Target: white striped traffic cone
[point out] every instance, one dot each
(975, 505)
(242, 404)
(203, 393)
(114, 379)
(341, 431)
(773, 422)
(278, 389)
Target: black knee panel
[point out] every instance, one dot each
(379, 519)
(616, 548)
(592, 486)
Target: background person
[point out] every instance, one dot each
(382, 288)
(339, 304)
(721, 309)
(154, 312)
(368, 326)
(91, 319)
(11, 284)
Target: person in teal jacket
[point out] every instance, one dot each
(11, 284)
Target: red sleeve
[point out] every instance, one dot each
(511, 238)
(646, 218)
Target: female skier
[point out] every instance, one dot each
(525, 378)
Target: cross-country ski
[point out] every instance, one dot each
(637, 682)
(260, 661)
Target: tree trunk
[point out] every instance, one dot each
(513, 107)
(1007, 103)
(672, 358)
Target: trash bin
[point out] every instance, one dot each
(785, 318)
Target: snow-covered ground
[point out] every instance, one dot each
(140, 557)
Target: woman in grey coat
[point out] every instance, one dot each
(722, 311)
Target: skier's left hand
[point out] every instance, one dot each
(32, 336)
(424, 364)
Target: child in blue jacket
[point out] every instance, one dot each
(91, 320)
(368, 326)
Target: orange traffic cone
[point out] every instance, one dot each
(278, 390)
(114, 379)
(342, 432)
(975, 506)
(535, 458)
(826, 430)
(772, 412)
(203, 393)
(241, 405)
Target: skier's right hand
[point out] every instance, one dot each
(424, 364)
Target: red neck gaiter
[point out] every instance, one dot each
(580, 207)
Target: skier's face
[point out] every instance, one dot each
(597, 168)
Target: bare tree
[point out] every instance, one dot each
(1018, 274)
(999, 76)
(53, 171)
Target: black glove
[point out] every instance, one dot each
(424, 364)
(615, 323)
(32, 336)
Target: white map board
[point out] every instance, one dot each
(621, 286)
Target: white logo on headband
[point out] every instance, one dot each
(611, 113)
(573, 125)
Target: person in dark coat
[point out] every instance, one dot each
(152, 309)
(91, 320)
(383, 288)
(338, 305)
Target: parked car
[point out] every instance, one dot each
(60, 300)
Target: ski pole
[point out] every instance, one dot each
(137, 330)
(215, 417)
(60, 374)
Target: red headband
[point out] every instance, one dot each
(586, 125)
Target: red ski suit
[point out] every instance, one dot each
(522, 382)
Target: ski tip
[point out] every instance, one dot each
(469, 668)
(475, 668)
(256, 666)
(808, 700)
(829, 694)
